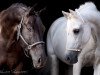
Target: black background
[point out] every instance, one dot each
(52, 12)
(53, 7)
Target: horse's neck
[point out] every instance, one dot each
(1, 38)
(2, 43)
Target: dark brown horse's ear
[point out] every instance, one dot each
(32, 10)
(42, 10)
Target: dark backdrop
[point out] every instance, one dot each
(52, 12)
(53, 7)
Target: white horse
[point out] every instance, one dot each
(75, 39)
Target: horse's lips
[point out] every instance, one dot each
(71, 62)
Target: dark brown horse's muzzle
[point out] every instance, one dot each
(40, 63)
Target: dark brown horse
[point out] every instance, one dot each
(21, 35)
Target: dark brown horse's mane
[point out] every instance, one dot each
(11, 17)
(9, 20)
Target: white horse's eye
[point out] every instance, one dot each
(76, 31)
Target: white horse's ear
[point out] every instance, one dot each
(71, 11)
(65, 13)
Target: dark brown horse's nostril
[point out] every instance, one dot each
(39, 61)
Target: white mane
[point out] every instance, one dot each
(89, 12)
(87, 6)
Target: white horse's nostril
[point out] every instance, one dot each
(68, 58)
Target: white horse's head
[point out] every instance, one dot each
(78, 33)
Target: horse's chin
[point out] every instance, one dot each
(39, 65)
(73, 62)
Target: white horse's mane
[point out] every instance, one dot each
(87, 6)
(89, 12)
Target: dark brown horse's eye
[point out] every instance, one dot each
(30, 29)
(76, 31)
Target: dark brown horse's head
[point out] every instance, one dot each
(30, 32)
(22, 24)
